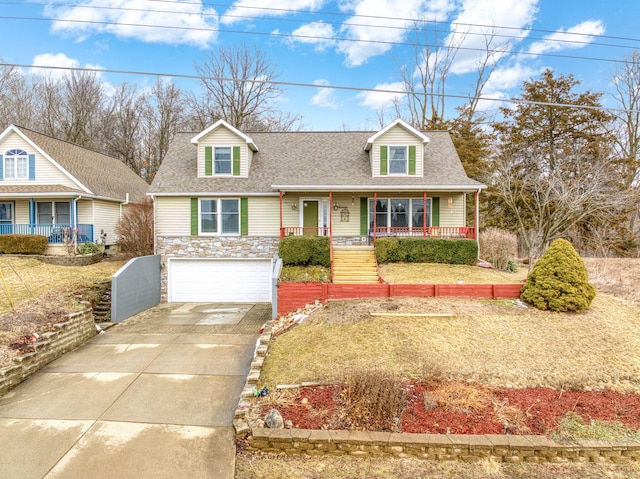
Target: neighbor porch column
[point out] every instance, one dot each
(32, 214)
(476, 218)
(281, 231)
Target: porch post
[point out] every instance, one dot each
(281, 231)
(32, 214)
(424, 214)
(73, 223)
(331, 216)
(476, 218)
(375, 205)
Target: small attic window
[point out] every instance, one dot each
(398, 160)
(16, 165)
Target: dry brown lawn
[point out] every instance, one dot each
(420, 273)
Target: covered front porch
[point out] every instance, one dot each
(54, 218)
(366, 216)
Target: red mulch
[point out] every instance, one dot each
(539, 410)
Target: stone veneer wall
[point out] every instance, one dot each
(439, 447)
(229, 247)
(75, 331)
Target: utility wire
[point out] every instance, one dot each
(410, 24)
(326, 87)
(314, 37)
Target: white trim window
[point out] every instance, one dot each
(222, 160)
(219, 216)
(398, 160)
(16, 165)
(400, 213)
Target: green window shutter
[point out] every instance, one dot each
(412, 160)
(194, 217)
(244, 216)
(236, 161)
(364, 216)
(383, 160)
(208, 161)
(435, 211)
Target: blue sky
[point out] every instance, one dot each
(359, 44)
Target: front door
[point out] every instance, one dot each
(310, 217)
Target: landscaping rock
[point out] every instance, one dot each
(274, 420)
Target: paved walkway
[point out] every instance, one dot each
(152, 397)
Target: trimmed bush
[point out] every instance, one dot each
(88, 248)
(559, 280)
(426, 250)
(499, 247)
(23, 244)
(305, 251)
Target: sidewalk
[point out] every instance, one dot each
(152, 397)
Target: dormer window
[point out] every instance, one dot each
(398, 160)
(222, 160)
(16, 165)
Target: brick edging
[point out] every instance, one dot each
(67, 336)
(457, 447)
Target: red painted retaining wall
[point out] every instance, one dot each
(294, 295)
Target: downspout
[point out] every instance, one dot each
(331, 232)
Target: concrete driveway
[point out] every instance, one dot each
(152, 397)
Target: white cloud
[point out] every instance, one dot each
(325, 97)
(369, 37)
(479, 22)
(244, 10)
(59, 60)
(578, 36)
(389, 94)
(319, 34)
(178, 22)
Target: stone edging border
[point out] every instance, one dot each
(457, 447)
(76, 330)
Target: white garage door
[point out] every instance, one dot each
(215, 280)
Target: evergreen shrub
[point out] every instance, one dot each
(426, 250)
(559, 280)
(305, 251)
(23, 244)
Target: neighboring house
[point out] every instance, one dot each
(54, 188)
(224, 198)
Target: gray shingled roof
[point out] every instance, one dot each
(336, 159)
(103, 175)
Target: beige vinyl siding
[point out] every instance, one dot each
(21, 212)
(397, 136)
(173, 216)
(106, 215)
(352, 226)
(85, 212)
(264, 216)
(454, 216)
(223, 137)
(46, 172)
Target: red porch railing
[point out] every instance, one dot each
(304, 230)
(447, 232)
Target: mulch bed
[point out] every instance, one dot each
(506, 411)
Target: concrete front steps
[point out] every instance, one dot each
(355, 264)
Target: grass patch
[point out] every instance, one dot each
(305, 273)
(572, 426)
(491, 342)
(420, 273)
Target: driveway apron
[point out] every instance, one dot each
(154, 396)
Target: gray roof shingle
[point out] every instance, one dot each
(311, 159)
(103, 175)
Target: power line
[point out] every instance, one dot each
(415, 25)
(326, 87)
(315, 37)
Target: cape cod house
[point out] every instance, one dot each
(62, 191)
(224, 198)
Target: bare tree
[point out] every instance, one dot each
(81, 108)
(164, 115)
(123, 122)
(17, 98)
(240, 87)
(626, 82)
